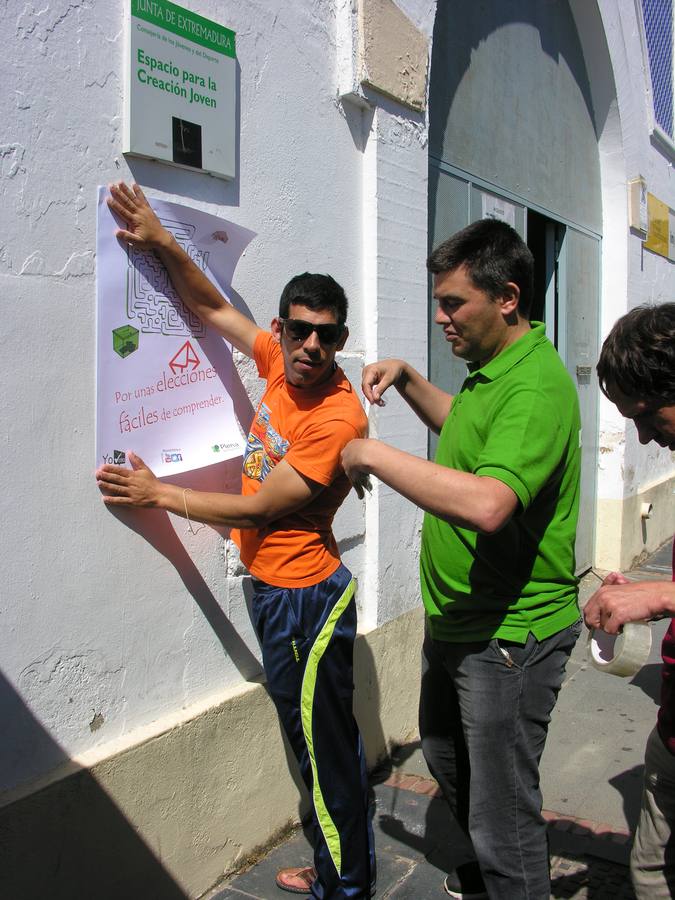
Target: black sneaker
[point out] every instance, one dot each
(466, 883)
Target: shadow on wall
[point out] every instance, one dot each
(69, 841)
(159, 532)
(156, 528)
(460, 31)
(367, 703)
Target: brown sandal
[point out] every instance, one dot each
(296, 880)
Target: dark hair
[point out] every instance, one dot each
(494, 254)
(638, 355)
(314, 292)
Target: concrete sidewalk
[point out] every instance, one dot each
(591, 781)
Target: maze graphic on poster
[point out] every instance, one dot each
(152, 299)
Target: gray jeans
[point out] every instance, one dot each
(652, 862)
(484, 714)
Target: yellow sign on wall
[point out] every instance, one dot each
(660, 235)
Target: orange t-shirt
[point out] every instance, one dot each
(308, 427)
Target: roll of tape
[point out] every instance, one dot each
(621, 654)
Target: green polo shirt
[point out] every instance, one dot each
(515, 419)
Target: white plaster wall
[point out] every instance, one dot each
(400, 182)
(395, 217)
(113, 623)
(630, 275)
(650, 278)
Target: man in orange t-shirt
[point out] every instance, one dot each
(292, 484)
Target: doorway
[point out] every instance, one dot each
(567, 290)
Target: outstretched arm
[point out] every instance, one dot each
(619, 601)
(194, 288)
(284, 491)
(429, 402)
(477, 502)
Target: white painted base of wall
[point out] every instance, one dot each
(623, 537)
(168, 817)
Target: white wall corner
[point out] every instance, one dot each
(370, 276)
(379, 47)
(349, 53)
(395, 229)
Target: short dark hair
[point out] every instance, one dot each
(494, 254)
(314, 292)
(638, 355)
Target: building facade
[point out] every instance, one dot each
(140, 745)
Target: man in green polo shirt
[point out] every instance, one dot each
(497, 557)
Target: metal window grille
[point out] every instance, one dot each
(658, 20)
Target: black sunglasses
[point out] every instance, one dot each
(299, 330)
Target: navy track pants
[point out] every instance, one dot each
(307, 638)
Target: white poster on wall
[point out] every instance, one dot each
(180, 88)
(162, 376)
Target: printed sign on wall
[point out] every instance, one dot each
(498, 208)
(163, 377)
(180, 96)
(661, 230)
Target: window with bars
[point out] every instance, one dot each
(658, 22)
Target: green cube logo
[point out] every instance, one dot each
(125, 340)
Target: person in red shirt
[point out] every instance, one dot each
(292, 484)
(637, 372)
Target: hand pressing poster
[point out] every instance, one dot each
(163, 378)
